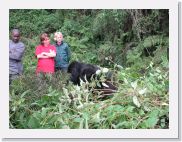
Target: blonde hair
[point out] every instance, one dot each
(57, 34)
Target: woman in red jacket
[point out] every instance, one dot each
(45, 53)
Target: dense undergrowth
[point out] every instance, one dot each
(133, 44)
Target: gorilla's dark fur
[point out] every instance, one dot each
(79, 70)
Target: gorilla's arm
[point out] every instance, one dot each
(75, 77)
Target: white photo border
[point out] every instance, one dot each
(171, 133)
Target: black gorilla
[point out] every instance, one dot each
(80, 70)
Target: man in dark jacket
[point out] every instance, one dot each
(16, 51)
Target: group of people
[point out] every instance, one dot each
(51, 58)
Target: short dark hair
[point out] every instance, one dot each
(15, 30)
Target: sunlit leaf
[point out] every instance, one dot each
(125, 81)
(134, 84)
(135, 101)
(146, 108)
(143, 91)
(151, 122)
(105, 85)
(164, 104)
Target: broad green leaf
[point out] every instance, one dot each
(154, 113)
(151, 122)
(33, 123)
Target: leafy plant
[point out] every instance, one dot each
(133, 44)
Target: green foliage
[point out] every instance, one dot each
(133, 44)
(49, 103)
(109, 23)
(152, 48)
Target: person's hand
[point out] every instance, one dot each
(52, 53)
(44, 53)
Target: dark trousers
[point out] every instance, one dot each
(62, 69)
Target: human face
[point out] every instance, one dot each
(46, 41)
(59, 39)
(15, 37)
